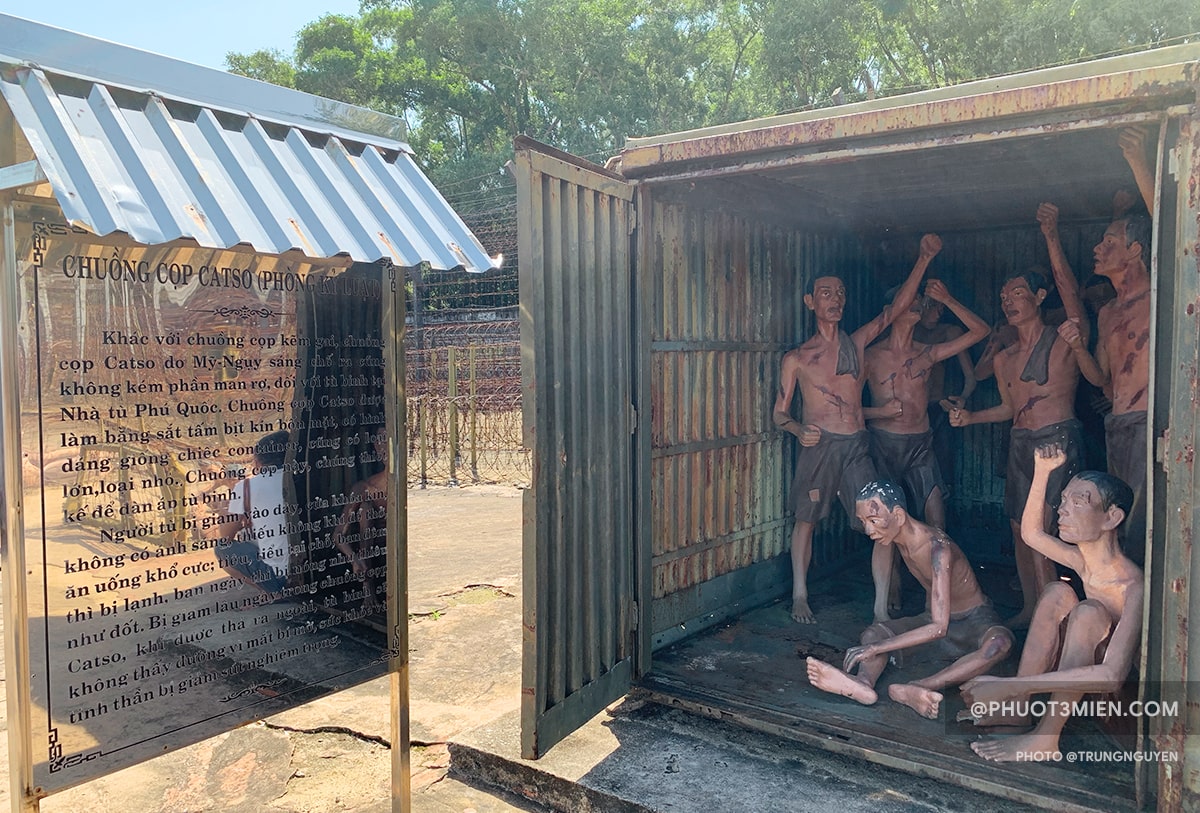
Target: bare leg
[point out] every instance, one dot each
(884, 574)
(1087, 625)
(922, 696)
(1041, 650)
(859, 686)
(1035, 572)
(935, 509)
(802, 535)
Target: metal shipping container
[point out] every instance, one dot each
(658, 297)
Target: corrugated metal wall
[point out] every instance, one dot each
(577, 378)
(728, 302)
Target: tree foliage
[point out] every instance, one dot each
(583, 75)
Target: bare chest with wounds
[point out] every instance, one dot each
(829, 399)
(900, 374)
(1035, 402)
(1126, 331)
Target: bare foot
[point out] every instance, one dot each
(833, 680)
(1029, 747)
(800, 611)
(925, 702)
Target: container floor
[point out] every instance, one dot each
(751, 671)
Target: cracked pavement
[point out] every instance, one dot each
(333, 754)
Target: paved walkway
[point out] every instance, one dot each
(333, 754)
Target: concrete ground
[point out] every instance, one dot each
(333, 754)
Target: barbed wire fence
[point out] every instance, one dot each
(463, 360)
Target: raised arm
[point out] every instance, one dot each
(1033, 529)
(931, 244)
(977, 329)
(1133, 147)
(1064, 277)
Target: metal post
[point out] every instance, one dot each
(423, 440)
(452, 412)
(474, 414)
(397, 542)
(12, 539)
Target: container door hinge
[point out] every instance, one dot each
(1160, 450)
(1172, 163)
(634, 618)
(632, 219)
(633, 419)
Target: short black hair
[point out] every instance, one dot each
(888, 493)
(812, 281)
(1112, 489)
(271, 450)
(1034, 277)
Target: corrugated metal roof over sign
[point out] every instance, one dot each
(162, 167)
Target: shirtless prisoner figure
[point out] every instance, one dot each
(828, 371)
(899, 374)
(1122, 365)
(1037, 376)
(958, 623)
(1093, 651)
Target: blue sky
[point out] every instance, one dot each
(200, 31)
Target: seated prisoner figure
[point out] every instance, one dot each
(1037, 377)
(958, 622)
(833, 459)
(1074, 646)
(899, 374)
(254, 543)
(361, 533)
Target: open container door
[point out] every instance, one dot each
(577, 382)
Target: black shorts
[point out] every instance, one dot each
(1125, 439)
(908, 461)
(838, 464)
(964, 634)
(1019, 475)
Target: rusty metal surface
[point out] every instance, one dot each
(727, 303)
(1119, 80)
(577, 379)
(1179, 570)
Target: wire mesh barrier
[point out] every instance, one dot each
(464, 415)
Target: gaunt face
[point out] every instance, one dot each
(828, 299)
(1111, 253)
(879, 522)
(1019, 303)
(1081, 517)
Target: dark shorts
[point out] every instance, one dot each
(1019, 475)
(908, 460)
(964, 635)
(838, 464)
(244, 557)
(1125, 439)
